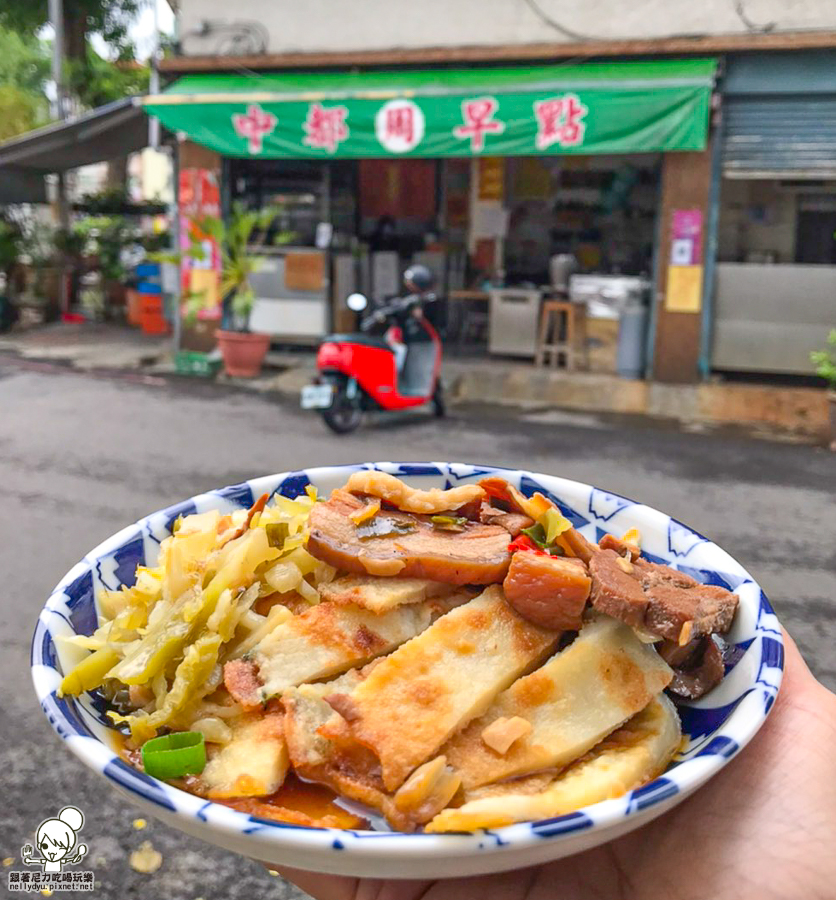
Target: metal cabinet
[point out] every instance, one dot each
(514, 316)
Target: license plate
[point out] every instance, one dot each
(317, 396)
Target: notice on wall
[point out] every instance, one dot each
(684, 289)
(685, 271)
(491, 178)
(686, 237)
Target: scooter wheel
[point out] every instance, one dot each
(439, 407)
(344, 415)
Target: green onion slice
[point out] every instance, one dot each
(537, 533)
(383, 526)
(174, 755)
(277, 534)
(449, 523)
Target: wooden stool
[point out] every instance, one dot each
(557, 333)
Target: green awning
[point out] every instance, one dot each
(631, 107)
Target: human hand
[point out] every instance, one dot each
(763, 827)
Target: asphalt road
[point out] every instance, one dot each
(80, 457)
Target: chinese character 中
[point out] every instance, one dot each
(399, 125)
(254, 126)
(325, 126)
(478, 121)
(559, 121)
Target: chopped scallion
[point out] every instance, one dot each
(174, 755)
(448, 523)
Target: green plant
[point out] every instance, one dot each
(825, 361)
(11, 243)
(239, 239)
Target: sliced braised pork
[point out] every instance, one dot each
(550, 591)
(667, 603)
(407, 545)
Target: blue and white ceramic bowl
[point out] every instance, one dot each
(718, 726)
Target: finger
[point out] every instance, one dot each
(338, 887)
(321, 887)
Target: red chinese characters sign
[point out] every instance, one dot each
(254, 126)
(478, 121)
(325, 127)
(399, 126)
(625, 107)
(560, 121)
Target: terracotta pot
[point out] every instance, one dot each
(831, 396)
(243, 352)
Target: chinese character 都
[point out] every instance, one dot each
(399, 125)
(254, 126)
(559, 121)
(325, 126)
(478, 121)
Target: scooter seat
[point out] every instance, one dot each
(366, 340)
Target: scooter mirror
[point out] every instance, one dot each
(357, 302)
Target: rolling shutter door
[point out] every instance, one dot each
(780, 136)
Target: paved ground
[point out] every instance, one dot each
(81, 456)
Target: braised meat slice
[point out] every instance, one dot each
(512, 522)
(703, 670)
(398, 543)
(616, 591)
(665, 602)
(679, 607)
(550, 591)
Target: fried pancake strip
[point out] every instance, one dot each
(429, 688)
(631, 756)
(379, 594)
(331, 638)
(575, 700)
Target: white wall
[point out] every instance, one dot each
(332, 25)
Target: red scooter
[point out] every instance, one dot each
(394, 362)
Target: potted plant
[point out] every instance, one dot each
(239, 240)
(825, 363)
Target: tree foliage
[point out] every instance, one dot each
(24, 67)
(109, 18)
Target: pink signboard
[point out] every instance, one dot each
(686, 237)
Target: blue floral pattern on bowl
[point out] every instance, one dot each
(717, 727)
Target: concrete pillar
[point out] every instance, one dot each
(686, 184)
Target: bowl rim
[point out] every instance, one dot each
(600, 817)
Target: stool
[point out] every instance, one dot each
(562, 333)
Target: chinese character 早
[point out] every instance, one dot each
(325, 127)
(478, 121)
(254, 125)
(559, 121)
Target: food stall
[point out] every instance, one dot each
(482, 174)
